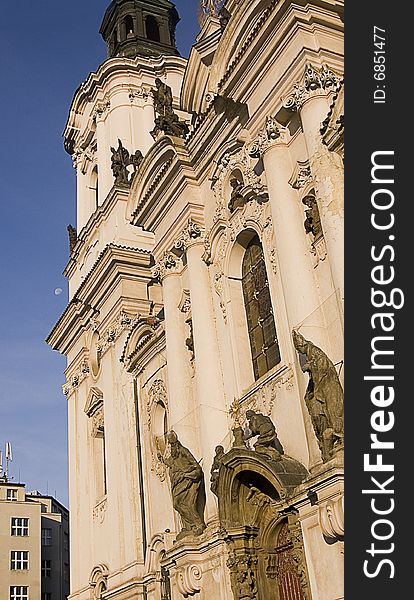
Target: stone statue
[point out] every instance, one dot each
(215, 468)
(324, 396)
(166, 121)
(313, 220)
(267, 443)
(136, 159)
(73, 237)
(186, 477)
(120, 160)
(236, 198)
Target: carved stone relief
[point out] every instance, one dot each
(157, 398)
(264, 397)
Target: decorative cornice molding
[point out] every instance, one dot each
(315, 82)
(122, 322)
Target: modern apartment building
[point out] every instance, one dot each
(34, 545)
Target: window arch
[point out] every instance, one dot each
(259, 312)
(129, 25)
(152, 29)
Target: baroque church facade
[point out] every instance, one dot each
(204, 330)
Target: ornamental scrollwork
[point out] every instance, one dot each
(190, 233)
(267, 136)
(189, 580)
(314, 82)
(252, 183)
(169, 263)
(76, 378)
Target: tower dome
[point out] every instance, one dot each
(140, 28)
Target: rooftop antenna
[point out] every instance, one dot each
(1, 464)
(9, 458)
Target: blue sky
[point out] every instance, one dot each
(47, 49)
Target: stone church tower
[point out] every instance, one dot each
(204, 330)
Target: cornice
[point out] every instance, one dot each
(95, 221)
(113, 68)
(114, 261)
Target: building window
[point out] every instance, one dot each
(11, 495)
(46, 568)
(19, 560)
(152, 29)
(46, 596)
(129, 24)
(46, 537)
(260, 320)
(19, 592)
(66, 572)
(66, 542)
(19, 526)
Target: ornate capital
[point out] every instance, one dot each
(191, 234)
(167, 265)
(315, 82)
(271, 133)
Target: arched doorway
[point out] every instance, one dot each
(263, 534)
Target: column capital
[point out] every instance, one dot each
(192, 234)
(169, 264)
(314, 82)
(270, 135)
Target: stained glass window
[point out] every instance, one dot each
(260, 319)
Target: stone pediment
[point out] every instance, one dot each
(244, 469)
(94, 401)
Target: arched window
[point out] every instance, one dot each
(260, 320)
(152, 29)
(129, 24)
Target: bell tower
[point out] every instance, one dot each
(133, 28)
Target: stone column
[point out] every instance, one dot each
(211, 403)
(180, 401)
(105, 178)
(311, 99)
(296, 269)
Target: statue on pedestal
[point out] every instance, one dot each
(186, 477)
(324, 396)
(166, 121)
(120, 160)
